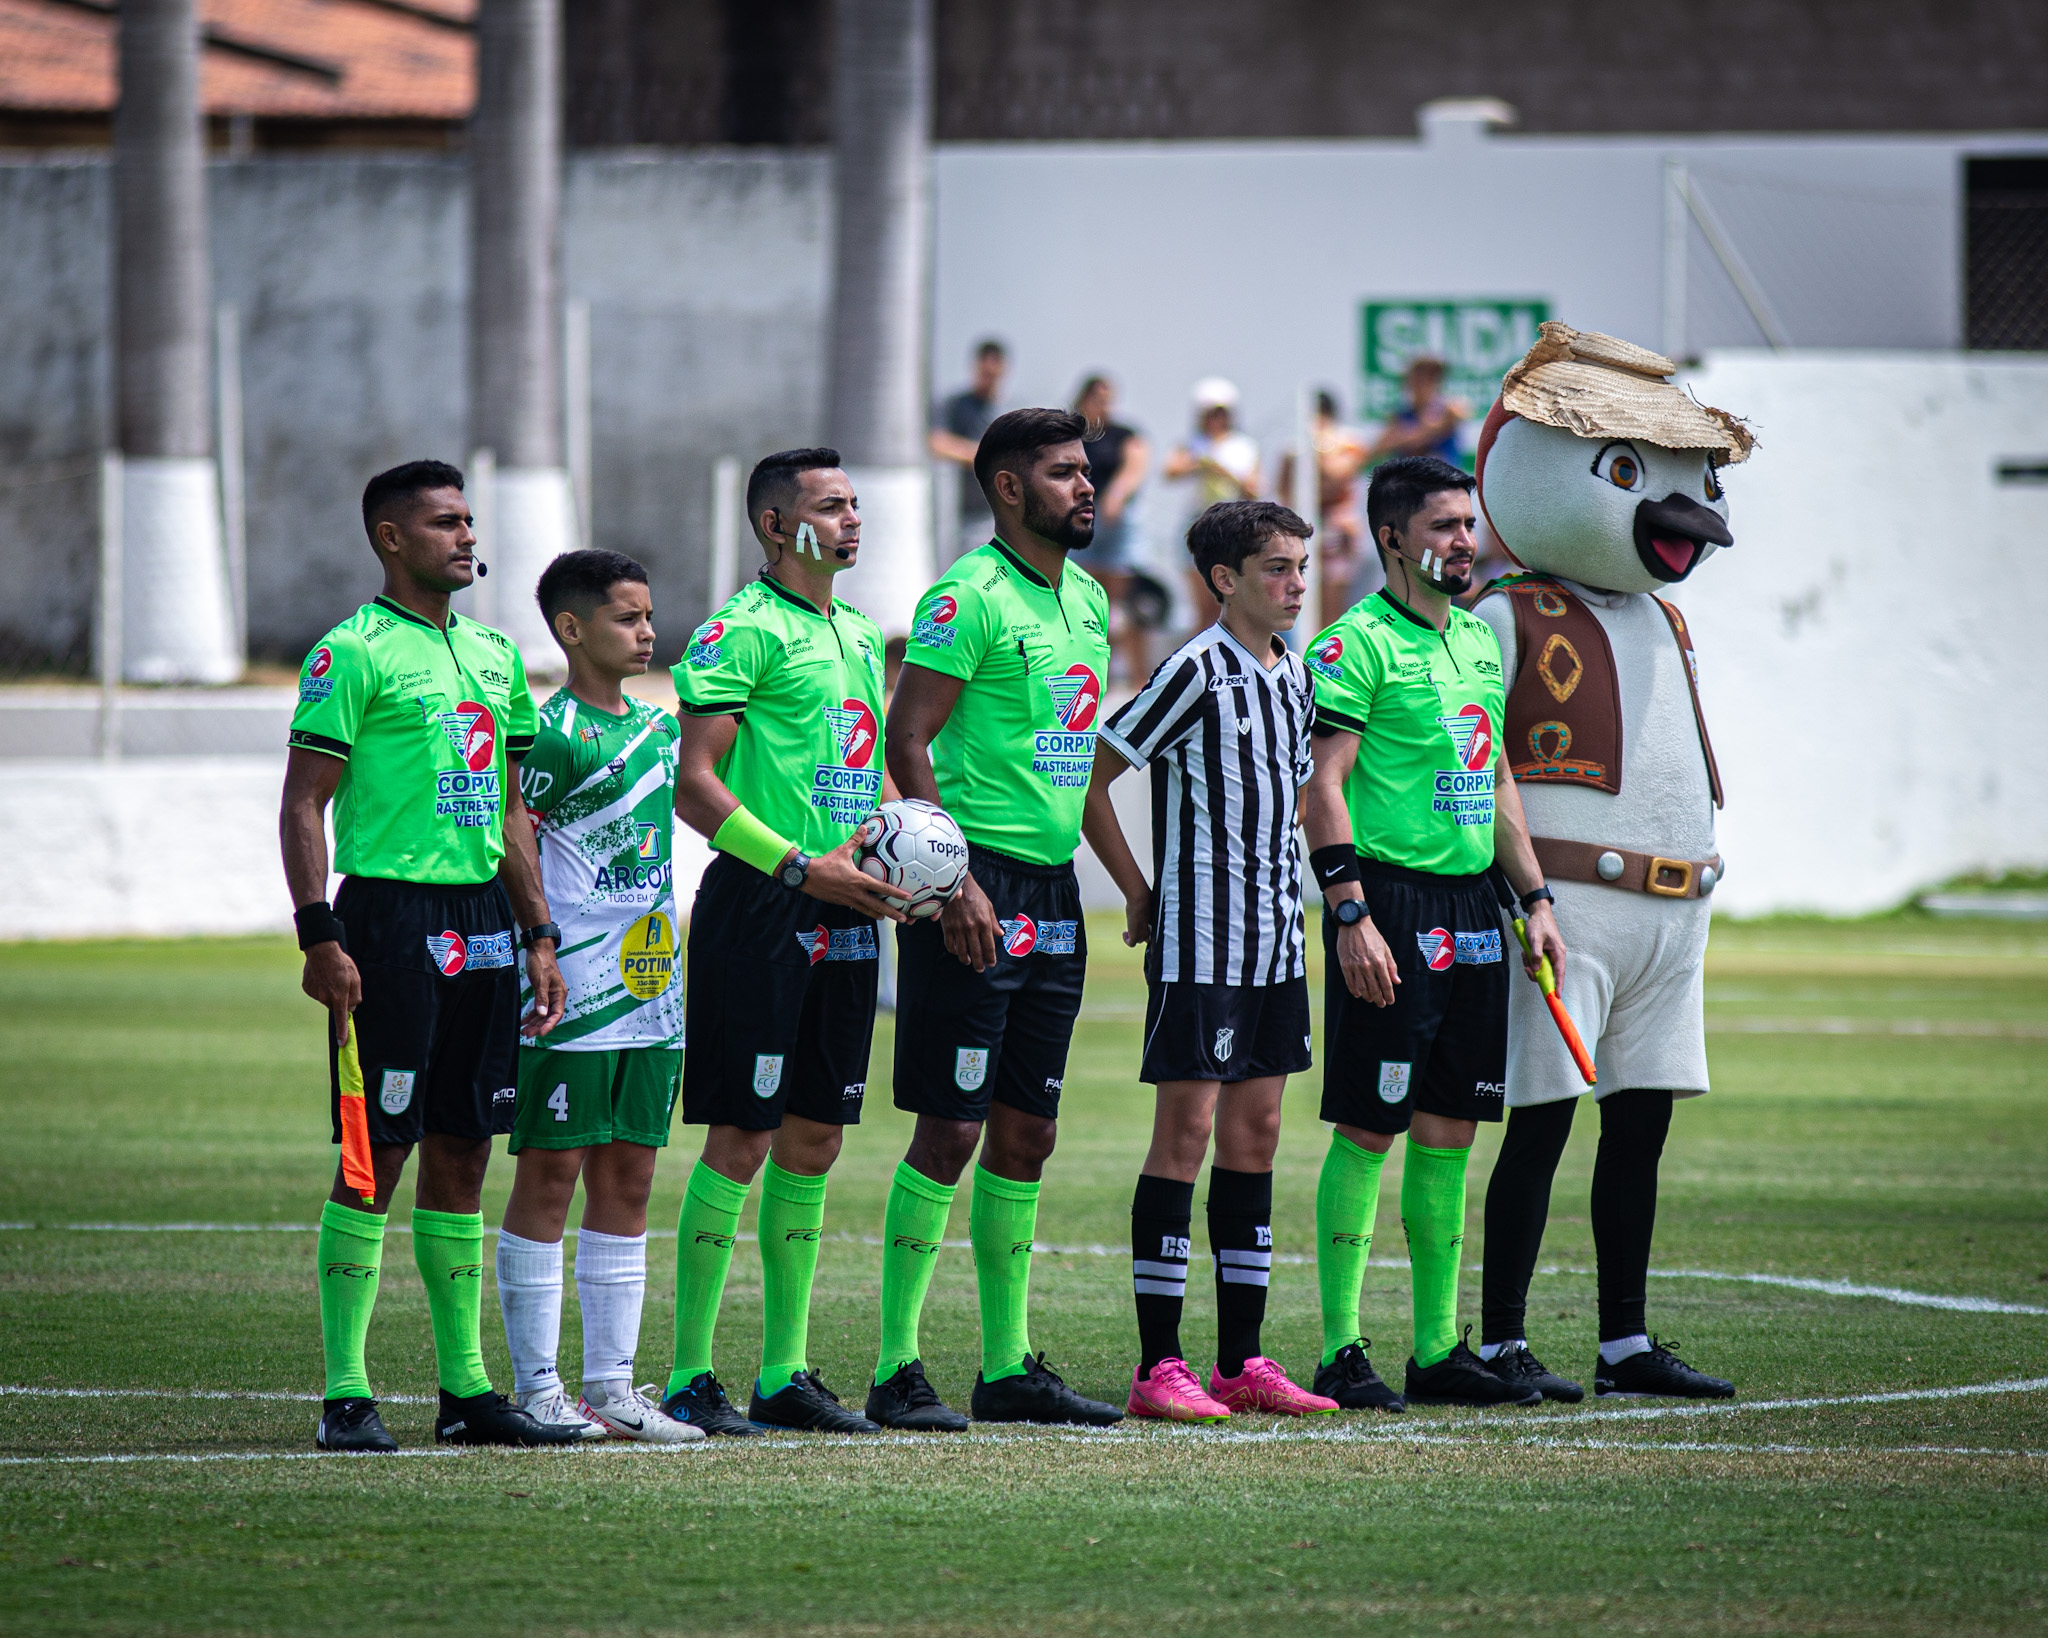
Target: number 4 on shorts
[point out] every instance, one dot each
(558, 1101)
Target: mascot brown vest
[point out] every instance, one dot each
(1564, 710)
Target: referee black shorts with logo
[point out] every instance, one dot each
(437, 1033)
(1225, 1032)
(966, 1038)
(780, 1009)
(1442, 1047)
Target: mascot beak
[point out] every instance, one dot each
(1671, 532)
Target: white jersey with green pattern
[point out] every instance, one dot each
(601, 790)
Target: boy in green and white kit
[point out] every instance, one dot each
(595, 1100)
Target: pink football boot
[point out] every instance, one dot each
(1263, 1386)
(1173, 1393)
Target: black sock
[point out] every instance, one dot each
(1161, 1212)
(1241, 1235)
(1517, 1202)
(1633, 1125)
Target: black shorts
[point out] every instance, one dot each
(1442, 1047)
(965, 1038)
(780, 1010)
(1225, 1032)
(437, 1033)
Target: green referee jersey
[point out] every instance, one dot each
(1012, 762)
(427, 721)
(807, 689)
(601, 789)
(1426, 706)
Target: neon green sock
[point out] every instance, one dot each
(1000, 1222)
(448, 1247)
(705, 1230)
(351, 1254)
(913, 1225)
(1433, 1215)
(1347, 1200)
(792, 1213)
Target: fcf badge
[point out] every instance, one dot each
(767, 1074)
(970, 1068)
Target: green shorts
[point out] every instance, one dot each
(575, 1100)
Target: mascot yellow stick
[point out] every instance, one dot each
(1546, 980)
(356, 1169)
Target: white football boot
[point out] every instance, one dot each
(632, 1413)
(551, 1407)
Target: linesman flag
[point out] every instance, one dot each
(356, 1170)
(1546, 980)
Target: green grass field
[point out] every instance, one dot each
(1878, 1120)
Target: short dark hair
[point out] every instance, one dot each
(1022, 432)
(1400, 486)
(773, 483)
(989, 345)
(582, 581)
(402, 483)
(1326, 403)
(1231, 531)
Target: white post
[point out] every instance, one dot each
(109, 633)
(576, 409)
(234, 499)
(1677, 237)
(482, 478)
(1308, 495)
(726, 501)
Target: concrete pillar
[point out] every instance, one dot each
(515, 313)
(177, 622)
(875, 391)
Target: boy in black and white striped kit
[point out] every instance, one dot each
(1224, 724)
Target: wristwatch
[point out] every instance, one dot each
(1539, 894)
(795, 869)
(1350, 912)
(533, 935)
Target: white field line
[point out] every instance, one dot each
(1791, 1282)
(197, 1393)
(1977, 1028)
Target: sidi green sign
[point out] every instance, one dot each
(1476, 340)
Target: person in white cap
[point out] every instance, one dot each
(1223, 461)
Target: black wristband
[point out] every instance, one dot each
(543, 930)
(1333, 864)
(318, 924)
(1540, 894)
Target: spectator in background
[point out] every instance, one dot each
(1428, 423)
(1223, 462)
(1118, 459)
(1347, 571)
(956, 434)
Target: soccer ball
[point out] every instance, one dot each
(917, 849)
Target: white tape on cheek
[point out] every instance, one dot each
(807, 536)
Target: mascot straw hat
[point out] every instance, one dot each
(1603, 387)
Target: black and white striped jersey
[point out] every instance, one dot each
(1228, 743)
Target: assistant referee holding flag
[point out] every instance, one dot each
(410, 720)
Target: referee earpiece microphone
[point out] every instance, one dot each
(482, 568)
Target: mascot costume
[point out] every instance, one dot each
(1600, 477)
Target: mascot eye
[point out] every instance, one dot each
(1713, 483)
(1620, 465)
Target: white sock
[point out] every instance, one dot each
(530, 1298)
(1493, 1350)
(1613, 1353)
(611, 1282)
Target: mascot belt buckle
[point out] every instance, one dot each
(1660, 869)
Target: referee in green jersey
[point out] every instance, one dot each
(1400, 818)
(780, 699)
(994, 719)
(411, 721)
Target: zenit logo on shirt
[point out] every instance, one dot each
(1466, 792)
(847, 789)
(934, 625)
(839, 944)
(452, 953)
(1323, 658)
(704, 651)
(316, 685)
(1022, 936)
(1065, 756)
(647, 956)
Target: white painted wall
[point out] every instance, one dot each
(1870, 651)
